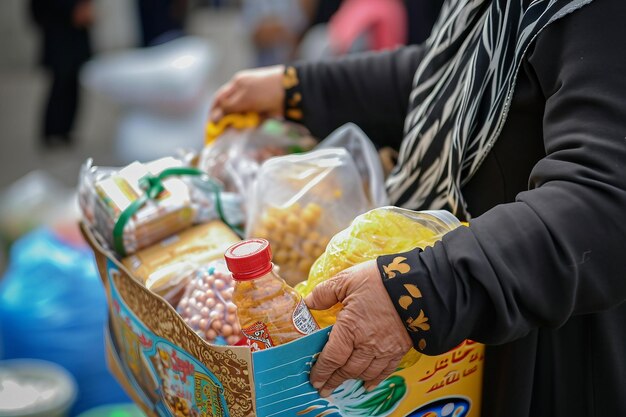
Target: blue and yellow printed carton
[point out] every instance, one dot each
(170, 371)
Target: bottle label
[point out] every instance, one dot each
(258, 336)
(303, 321)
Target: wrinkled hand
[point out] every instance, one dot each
(369, 338)
(257, 90)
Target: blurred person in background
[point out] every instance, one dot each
(65, 47)
(367, 25)
(161, 20)
(348, 26)
(275, 27)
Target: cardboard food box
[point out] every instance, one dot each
(169, 370)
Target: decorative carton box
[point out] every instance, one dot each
(169, 370)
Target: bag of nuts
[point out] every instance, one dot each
(207, 305)
(300, 201)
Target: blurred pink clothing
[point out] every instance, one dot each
(383, 22)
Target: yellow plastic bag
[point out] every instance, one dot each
(381, 231)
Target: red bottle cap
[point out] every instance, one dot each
(249, 259)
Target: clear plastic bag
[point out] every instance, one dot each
(172, 77)
(300, 201)
(365, 155)
(105, 193)
(207, 305)
(235, 157)
(166, 268)
(382, 231)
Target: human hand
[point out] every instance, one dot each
(368, 340)
(257, 90)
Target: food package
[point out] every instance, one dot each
(176, 201)
(167, 267)
(207, 305)
(300, 201)
(366, 158)
(382, 231)
(241, 147)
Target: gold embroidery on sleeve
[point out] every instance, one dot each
(397, 265)
(290, 78)
(405, 301)
(413, 290)
(418, 323)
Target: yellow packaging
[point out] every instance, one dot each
(165, 267)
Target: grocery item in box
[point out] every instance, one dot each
(270, 312)
(243, 143)
(166, 267)
(169, 370)
(381, 231)
(141, 204)
(207, 305)
(300, 201)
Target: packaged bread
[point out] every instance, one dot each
(166, 267)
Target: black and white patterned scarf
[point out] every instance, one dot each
(462, 93)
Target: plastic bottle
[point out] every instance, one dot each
(270, 312)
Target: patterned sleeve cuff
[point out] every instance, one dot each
(401, 274)
(293, 95)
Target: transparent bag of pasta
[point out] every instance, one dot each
(381, 231)
(300, 201)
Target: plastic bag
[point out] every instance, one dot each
(53, 307)
(179, 200)
(171, 77)
(365, 155)
(382, 231)
(168, 266)
(207, 305)
(234, 158)
(33, 200)
(300, 201)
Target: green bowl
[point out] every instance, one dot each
(114, 410)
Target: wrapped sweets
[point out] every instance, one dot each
(141, 204)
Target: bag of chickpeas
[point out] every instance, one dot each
(299, 202)
(207, 305)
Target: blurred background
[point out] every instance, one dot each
(118, 81)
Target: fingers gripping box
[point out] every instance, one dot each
(169, 370)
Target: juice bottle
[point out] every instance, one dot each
(270, 311)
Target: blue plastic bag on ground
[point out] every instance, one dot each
(53, 307)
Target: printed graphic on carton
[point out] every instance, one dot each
(174, 373)
(443, 407)
(168, 379)
(283, 388)
(438, 386)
